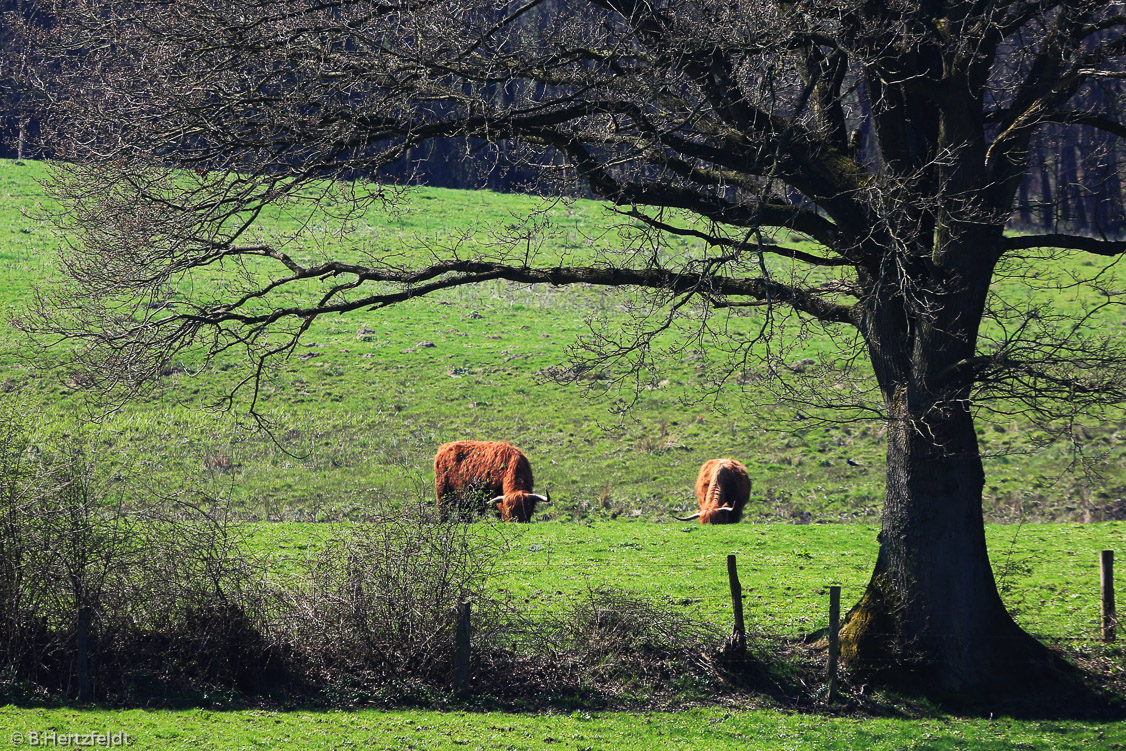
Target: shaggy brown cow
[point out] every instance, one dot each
(471, 476)
(722, 489)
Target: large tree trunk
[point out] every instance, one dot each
(932, 615)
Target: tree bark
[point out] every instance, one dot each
(931, 615)
(21, 139)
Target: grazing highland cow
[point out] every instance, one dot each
(722, 489)
(471, 476)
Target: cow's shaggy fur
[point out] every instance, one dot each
(722, 490)
(469, 476)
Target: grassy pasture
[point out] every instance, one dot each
(366, 399)
(712, 728)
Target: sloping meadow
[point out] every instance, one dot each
(359, 408)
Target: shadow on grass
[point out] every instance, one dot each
(603, 651)
(780, 674)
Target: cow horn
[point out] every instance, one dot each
(542, 498)
(498, 499)
(726, 508)
(687, 518)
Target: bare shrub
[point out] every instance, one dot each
(379, 603)
(24, 552)
(609, 645)
(102, 582)
(610, 628)
(66, 541)
(202, 598)
(94, 545)
(601, 646)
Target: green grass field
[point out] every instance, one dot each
(712, 728)
(366, 400)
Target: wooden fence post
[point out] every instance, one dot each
(83, 639)
(1106, 583)
(739, 629)
(462, 650)
(834, 643)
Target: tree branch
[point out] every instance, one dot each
(737, 245)
(450, 274)
(1065, 242)
(1088, 119)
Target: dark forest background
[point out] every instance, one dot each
(1072, 184)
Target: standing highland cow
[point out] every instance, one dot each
(722, 489)
(471, 476)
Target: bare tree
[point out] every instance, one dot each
(891, 135)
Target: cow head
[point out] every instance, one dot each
(518, 505)
(711, 515)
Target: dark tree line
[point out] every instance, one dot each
(19, 127)
(1077, 185)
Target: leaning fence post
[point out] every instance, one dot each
(739, 629)
(834, 637)
(1106, 583)
(461, 650)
